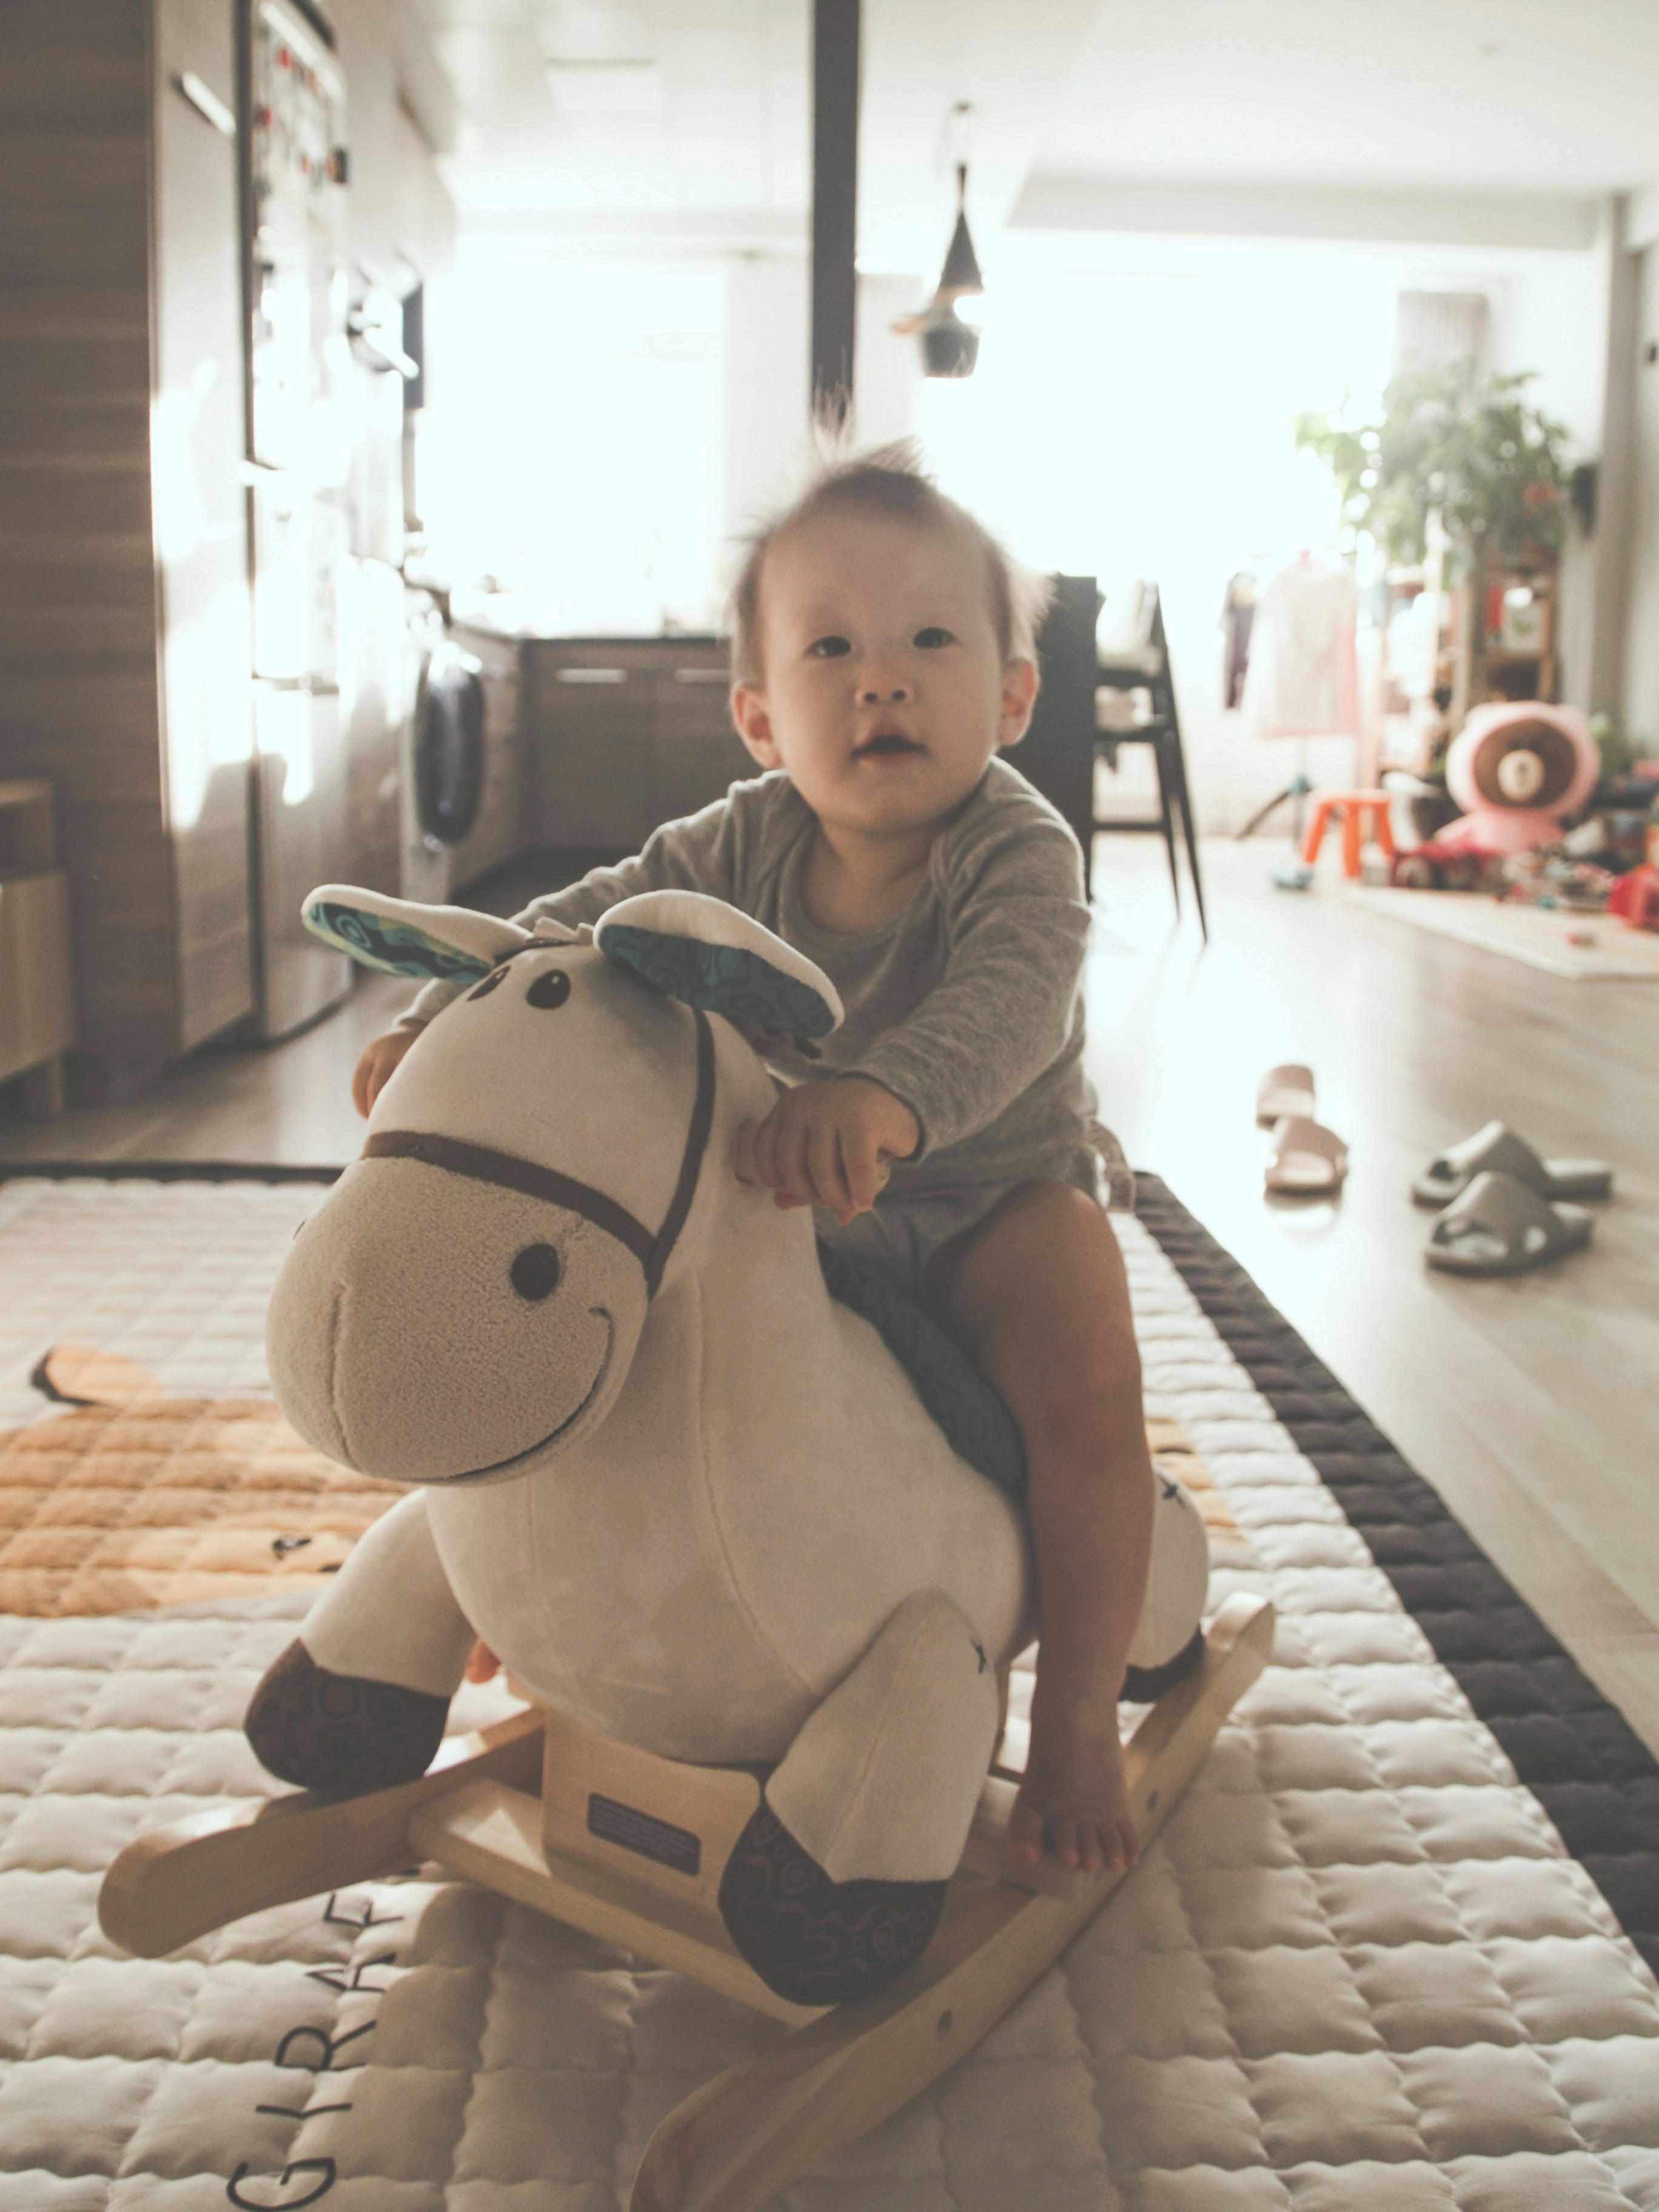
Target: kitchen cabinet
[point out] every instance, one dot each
(625, 734)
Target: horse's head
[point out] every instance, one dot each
(467, 1300)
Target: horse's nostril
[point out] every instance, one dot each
(549, 989)
(535, 1272)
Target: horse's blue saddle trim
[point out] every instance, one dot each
(397, 947)
(725, 979)
(977, 1424)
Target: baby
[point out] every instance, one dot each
(884, 656)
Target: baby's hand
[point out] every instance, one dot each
(379, 1060)
(822, 1143)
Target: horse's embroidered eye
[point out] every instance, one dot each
(535, 1272)
(496, 976)
(552, 988)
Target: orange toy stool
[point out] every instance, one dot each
(1354, 806)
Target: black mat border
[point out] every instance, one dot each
(161, 1171)
(1571, 1746)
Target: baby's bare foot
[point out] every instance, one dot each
(1074, 1802)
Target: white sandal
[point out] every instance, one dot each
(1309, 1160)
(1284, 1093)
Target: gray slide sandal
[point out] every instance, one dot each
(1496, 1150)
(1500, 1226)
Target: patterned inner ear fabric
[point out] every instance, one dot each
(723, 979)
(396, 947)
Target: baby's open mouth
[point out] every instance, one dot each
(884, 741)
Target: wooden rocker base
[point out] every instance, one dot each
(631, 1848)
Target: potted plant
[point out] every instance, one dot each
(1477, 450)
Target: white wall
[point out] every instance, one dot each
(887, 377)
(397, 210)
(765, 399)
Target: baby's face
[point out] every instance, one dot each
(884, 692)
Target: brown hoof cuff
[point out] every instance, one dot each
(339, 1732)
(1143, 1685)
(813, 1941)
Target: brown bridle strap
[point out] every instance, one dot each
(483, 1163)
(696, 1144)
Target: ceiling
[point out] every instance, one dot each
(660, 108)
(687, 119)
(1524, 95)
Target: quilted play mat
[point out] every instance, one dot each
(1386, 1954)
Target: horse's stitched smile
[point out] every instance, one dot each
(500, 1465)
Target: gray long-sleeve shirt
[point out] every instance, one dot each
(967, 1004)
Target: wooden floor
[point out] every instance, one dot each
(1533, 1406)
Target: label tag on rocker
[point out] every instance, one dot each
(643, 1832)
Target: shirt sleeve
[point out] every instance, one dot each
(1004, 1010)
(705, 852)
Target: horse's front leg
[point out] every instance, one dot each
(837, 1882)
(359, 1699)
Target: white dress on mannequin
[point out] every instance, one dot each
(1303, 681)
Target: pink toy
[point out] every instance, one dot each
(1516, 769)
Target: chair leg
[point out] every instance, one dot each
(1353, 825)
(1316, 837)
(1382, 830)
(1178, 764)
(1160, 762)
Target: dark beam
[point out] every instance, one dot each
(834, 204)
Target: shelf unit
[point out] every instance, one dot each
(37, 1002)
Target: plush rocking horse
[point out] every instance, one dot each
(740, 1520)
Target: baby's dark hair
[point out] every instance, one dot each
(894, 481)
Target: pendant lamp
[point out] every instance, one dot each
(950, 347)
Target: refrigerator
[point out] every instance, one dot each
(299, 431)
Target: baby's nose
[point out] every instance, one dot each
(878, 692)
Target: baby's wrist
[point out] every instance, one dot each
(908, 1123)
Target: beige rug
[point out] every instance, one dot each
(1540, 937)
(136, 1498)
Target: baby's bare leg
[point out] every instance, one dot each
(1039, 1291)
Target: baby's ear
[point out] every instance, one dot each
(753, 721)
(1020, 684)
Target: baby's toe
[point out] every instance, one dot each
(1025, 1832)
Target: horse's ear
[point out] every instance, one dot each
(705, 953)
(428, 944)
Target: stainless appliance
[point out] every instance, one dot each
(301, 410)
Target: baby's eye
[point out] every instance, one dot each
(931, 639)
(828, 649)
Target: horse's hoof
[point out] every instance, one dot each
(813, 1941)
(339, 1732)
(1145, 1686)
